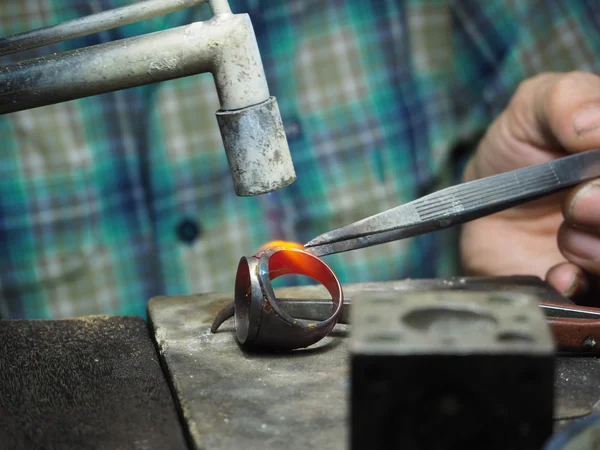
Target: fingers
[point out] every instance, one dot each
(559, 111)
(569, 280)
(579, 235)
(579, 243)
(581, 207)
(549, 114)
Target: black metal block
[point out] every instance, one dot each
(450, 370)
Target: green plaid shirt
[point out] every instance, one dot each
(108, 201)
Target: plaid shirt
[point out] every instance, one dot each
(108, 201)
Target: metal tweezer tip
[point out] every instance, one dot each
(319, 240)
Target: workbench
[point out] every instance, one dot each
(119, 382)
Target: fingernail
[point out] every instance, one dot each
(586, 119)
(582, 245)
(583, 209)
(578, 286)
(572, 286)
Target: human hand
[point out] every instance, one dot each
(558, 237)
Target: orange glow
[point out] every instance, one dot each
(299, 263)
(284, 244)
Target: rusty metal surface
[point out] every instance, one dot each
(297, 401)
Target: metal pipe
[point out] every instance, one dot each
(249, 119)
(220, 7)
(224, 45)
(95, 23)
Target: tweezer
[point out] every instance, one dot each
(460, 203)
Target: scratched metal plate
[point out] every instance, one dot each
(230, 398)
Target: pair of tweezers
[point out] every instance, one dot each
(460, 203)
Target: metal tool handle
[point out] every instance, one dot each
(576, 335)
(492, 194)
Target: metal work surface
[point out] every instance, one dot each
(86, 383)
(297, 400)
(263, 401)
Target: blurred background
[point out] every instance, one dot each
(108, 201)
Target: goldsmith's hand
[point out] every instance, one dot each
(558, 237)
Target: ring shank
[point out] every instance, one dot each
(261, 322)
(297, 262)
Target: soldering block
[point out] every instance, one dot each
(450, 370)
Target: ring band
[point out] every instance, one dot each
(260, 320)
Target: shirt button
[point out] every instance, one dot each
(188, 231)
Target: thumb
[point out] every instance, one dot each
(548, 115)
(558, 111)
